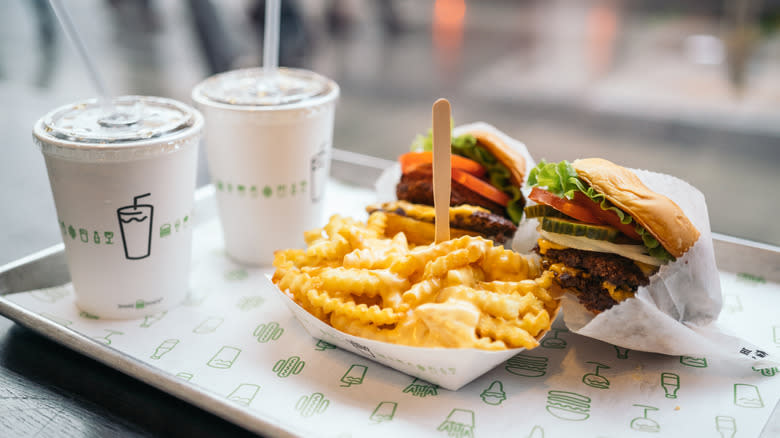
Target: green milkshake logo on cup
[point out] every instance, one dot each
(135, 225)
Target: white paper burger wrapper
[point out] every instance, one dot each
(676, 313)
(449, 368)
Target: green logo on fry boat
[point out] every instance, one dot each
(268, 332)
(458, 424)
(312, 404)
(568, 406)
(286, 367)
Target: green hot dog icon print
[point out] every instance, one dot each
(312, 404)
(286, 367)
(268, 332)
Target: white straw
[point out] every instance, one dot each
(73, 36)
(271, 37)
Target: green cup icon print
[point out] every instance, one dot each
(311, 404)
(244, 393)
(568, 406)
(163, 349)
(135, 226)
(354, 375)
(747, 396)
(268, 332)
(695, 362)
(209, 325)
(225, 357)
(458, 424)
(286, 367)
(384, 411)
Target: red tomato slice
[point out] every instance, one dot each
(565, 206)
(409, 161)
(481, 187)
(608, 217)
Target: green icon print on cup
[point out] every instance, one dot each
(164, 348)
(594, 379)
(554, 341)
(244, 393)
(224, 358)
(747, 396)
(494, 394)
(644, 423)
(286, 367)
(766, 372)
(165, 230)
(312, 404)
(109, 236)
(84, 235)
(96, 237)
(421, 388)
(726, 426)
(322, 346)
(151, 319)
(209, 325)
(695, 362)
(458, 424)
(354, 375)
(384, 411)
(268, 332)
(670, 382)
(135, 226)
(527, 365)
(568, 406)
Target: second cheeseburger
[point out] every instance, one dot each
(486, 178)
(603, 232)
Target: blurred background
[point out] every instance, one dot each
(690, 88)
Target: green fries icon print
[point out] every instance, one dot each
(421, 388)
(311, 404)
(458, 424)
(384, 411)
(286, 367)
(244, 393)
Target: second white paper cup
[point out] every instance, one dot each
(268, 156)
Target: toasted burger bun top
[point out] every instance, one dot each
(503, 153)
(659, 215)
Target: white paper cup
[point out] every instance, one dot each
(268, 153)
(123, 190)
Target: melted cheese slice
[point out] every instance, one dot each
(633, 252)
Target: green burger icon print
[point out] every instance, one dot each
(568, 406)
(135, 225)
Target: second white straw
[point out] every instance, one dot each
(271, 37)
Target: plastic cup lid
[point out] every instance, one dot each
(137, 118)
(140, 127)
(254, 88)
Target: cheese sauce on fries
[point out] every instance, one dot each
(462, 293)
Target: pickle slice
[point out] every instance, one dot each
(541, 210)
(572, 228)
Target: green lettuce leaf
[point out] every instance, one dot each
(561, 180)
(497, 173)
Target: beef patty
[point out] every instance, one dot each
(417, 187)
(601, 267)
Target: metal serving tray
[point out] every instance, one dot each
(47, 268)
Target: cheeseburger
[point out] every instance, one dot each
(486, 178)
(603, 232)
